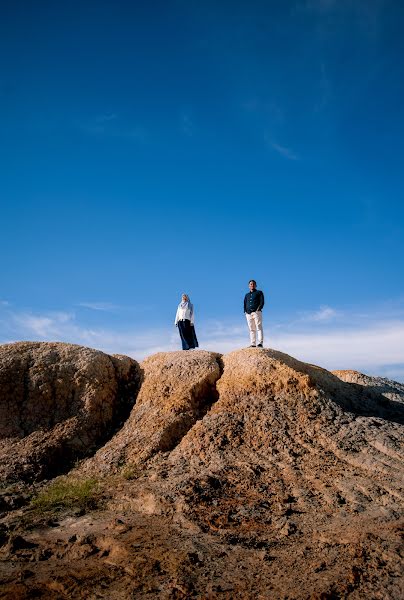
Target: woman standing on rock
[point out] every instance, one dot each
(184, 320)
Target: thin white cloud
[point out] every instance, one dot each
(64, 327)
(284, 151)
(104, 306)
(4, 303)
(43, 326)
(325, 313)
(323, 316)
(363, 349)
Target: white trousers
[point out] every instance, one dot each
(254, 321)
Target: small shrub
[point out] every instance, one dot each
(67, 493)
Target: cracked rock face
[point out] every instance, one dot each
(58, 402)
(178, 389)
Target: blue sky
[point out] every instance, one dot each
(153, 148)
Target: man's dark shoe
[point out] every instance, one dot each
(252, 346)
(259, 346)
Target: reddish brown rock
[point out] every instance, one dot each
(58, 402)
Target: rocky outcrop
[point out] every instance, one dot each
(254, 475)
(392, 390)
(294, 472)
(178, 389)
(58, 403)
(283, 429)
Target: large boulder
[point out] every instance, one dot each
(59, 402)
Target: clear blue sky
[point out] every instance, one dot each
(152, 148)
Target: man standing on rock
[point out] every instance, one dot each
(253, 305)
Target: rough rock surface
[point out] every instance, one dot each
(285, 483)
(388, 388)
(178, 389)
(58, 402)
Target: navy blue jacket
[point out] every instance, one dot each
(253, 301)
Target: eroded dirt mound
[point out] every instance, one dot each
(388, 388)
(178, 389)
(293, 434)
(57, 403)
(283, 482)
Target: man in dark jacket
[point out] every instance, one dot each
(253, 305)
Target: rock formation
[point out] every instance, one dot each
(381, 385)
(58, 403)
(287, 446)
(177, 390)
(250, 476)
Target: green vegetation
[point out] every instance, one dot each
(130, 472)
(67, 492)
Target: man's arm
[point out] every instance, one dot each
(245, 302)
(262, 301)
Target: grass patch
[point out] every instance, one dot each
(66, 492)
(130, 472)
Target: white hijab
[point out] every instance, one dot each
(186, 304)
(185, 310)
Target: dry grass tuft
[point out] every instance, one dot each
(66, 492)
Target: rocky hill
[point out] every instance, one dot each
(249, 475)
(381, 385)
